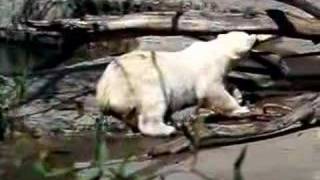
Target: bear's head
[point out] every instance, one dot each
(237, 43)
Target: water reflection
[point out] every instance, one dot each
(19, 156)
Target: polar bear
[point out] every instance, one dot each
(141, 87)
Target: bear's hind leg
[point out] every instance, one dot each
(151, 122)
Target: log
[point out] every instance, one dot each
(100, 63)
(125, 6)
(31, 35)
(44, 10)
(219, 135)
(293, 24)
(189, 23)
(96, 64)
(265, 63)
(117, 7)
(306, 5)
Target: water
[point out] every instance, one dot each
(20, 155)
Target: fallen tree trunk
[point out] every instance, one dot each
(217, 135)
(49, 11)
(31, 35)
(189, 23)
(306, 5)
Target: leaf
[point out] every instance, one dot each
(89, 174)
(59, 172)
(40, 168)
(101, 152)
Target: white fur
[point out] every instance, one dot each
(151, 83)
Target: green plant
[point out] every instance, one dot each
(121, 173)
(101, 154)
(238, 165)
(12, 91)
(20, 86)
(5, 96)
(100, 147)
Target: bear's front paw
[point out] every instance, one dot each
(240, 111)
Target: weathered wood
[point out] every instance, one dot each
(95, 64)
(50, 10)
(100, 63)
(189, 23)
(31, 35)
(306, 5)
(217, 135)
